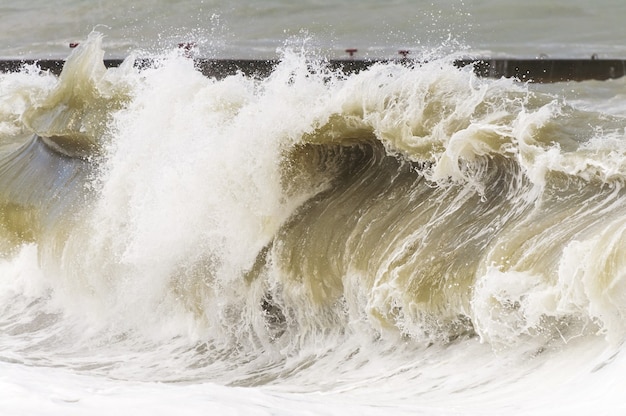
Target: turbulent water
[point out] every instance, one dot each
(411, 239)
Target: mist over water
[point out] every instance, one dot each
(239, 29)
(410, 239)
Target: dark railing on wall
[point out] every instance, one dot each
(536, 70)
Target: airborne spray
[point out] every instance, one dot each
(401, 234)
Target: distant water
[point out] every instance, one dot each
(244, 29)
(408, 240)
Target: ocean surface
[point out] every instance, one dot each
(378, 29)
(408, 240)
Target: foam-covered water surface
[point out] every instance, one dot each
(408, 239)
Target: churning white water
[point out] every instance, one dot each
(411, 239)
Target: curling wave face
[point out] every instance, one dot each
(251, 231)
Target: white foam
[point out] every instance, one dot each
(189, 192)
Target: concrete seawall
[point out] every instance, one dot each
(536, 70)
